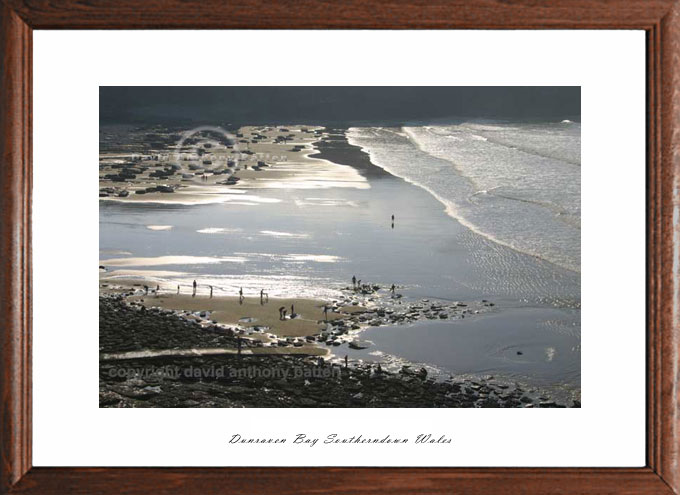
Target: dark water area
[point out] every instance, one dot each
(327, 105)
(535, 344)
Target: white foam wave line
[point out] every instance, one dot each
(450, 209)
(414, 139)
(531, 152)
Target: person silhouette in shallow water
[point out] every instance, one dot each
(195, 285)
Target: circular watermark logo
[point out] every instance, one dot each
(206, 149)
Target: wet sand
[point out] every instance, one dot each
(250, 313)
(261, 162)
(334, 148)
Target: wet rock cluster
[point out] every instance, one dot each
(160, 188)
(124, 172)
(105, 192)
(374, 311)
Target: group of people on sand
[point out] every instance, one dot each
(357, 286)
(283, 311)
(179, 289)
(264, 296)
(147, 289)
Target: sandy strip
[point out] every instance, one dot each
(306, 350)
(228, 310)
(287, 169)
(171, 260)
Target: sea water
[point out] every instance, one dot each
(515, 184)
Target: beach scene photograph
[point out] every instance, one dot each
(343, 247)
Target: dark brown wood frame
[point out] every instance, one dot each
(661, 21)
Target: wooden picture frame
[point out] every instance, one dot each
(661, 21)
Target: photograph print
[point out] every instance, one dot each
(337, 247)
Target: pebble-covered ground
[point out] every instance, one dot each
(123, 327)
(261, 380)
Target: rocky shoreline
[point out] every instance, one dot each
(287, 381)
(367, 307)
(132, 327)
(265, 380)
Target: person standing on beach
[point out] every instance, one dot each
(194, 293)
(146, 290)
(178, 289)
(292, 311)
(281, 312)
(325, 311)
(392, 289)
(211, 289)
(354, 281)
(261, 296)
(158, 289)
